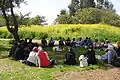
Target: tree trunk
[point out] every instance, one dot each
(15, 33)
(14, 30)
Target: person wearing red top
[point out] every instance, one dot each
(44, 59)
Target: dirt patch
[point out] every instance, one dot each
(99, 74)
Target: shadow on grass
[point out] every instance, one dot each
(4, 52)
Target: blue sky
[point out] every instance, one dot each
(50, 8)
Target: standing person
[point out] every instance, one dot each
(51, 42)
(33, 59)
(44, 59)
(90, 54)
(43, 42)
(70, 57)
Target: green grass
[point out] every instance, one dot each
(14, 70)
(99, 31)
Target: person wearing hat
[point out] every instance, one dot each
(33, 59)
(110, 55)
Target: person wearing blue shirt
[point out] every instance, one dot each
(110, 55)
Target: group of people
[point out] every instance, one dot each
(31, 54)
(74, 43)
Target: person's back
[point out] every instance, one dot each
(33, 58)
(68, 42)
(90, 54)
(70, 58)
(19, 52)
(44, 42)
(51, 42)
(43, 58)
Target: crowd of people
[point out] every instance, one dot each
(32, 54)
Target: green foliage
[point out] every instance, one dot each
(88, 16)
(99, 31)
(64, 19)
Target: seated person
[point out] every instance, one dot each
(31, 44)
(70, 58)
(13, 48)
(51, 42)
(97, 44)
(106, 43)
(68, 42)
(33, 59)
(44, 59)
(80, 42)
(89, 42)
(90, 54)
(73, 43)
(118, 48)
(61, 43)
(19, 52)
(43, 42)
(85, 41)
(110, 55)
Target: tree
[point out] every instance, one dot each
(7, 6)
(63, 11)
(73, 7)
(87, 3)
(2, 21)
(88, 16)
(106, 4)
(64, 19)
(38, 20)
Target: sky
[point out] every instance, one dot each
(50, 8)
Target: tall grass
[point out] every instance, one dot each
(99, 31)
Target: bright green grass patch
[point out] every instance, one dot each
(99, 31)
(14, 70)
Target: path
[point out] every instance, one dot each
(99, 74)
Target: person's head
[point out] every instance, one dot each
(40, 48)
(73, 39)
(80, 38)
(43, 38)
(68, 38)
(90, 48)
(70, 49)
(96, 40)
(25, 39)
(109, 48)
(86, 38)
(51, 38)
(118, 44)
(30, 40)
(35, 49)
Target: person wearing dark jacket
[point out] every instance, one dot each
(44, 42)
(19, 52)
(70, 58)
(61, 42)
(90, 54)
(13, 48)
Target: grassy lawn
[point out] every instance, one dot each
(14, 70)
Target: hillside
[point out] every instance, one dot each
(99, 31)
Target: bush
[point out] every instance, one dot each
(99, 31)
